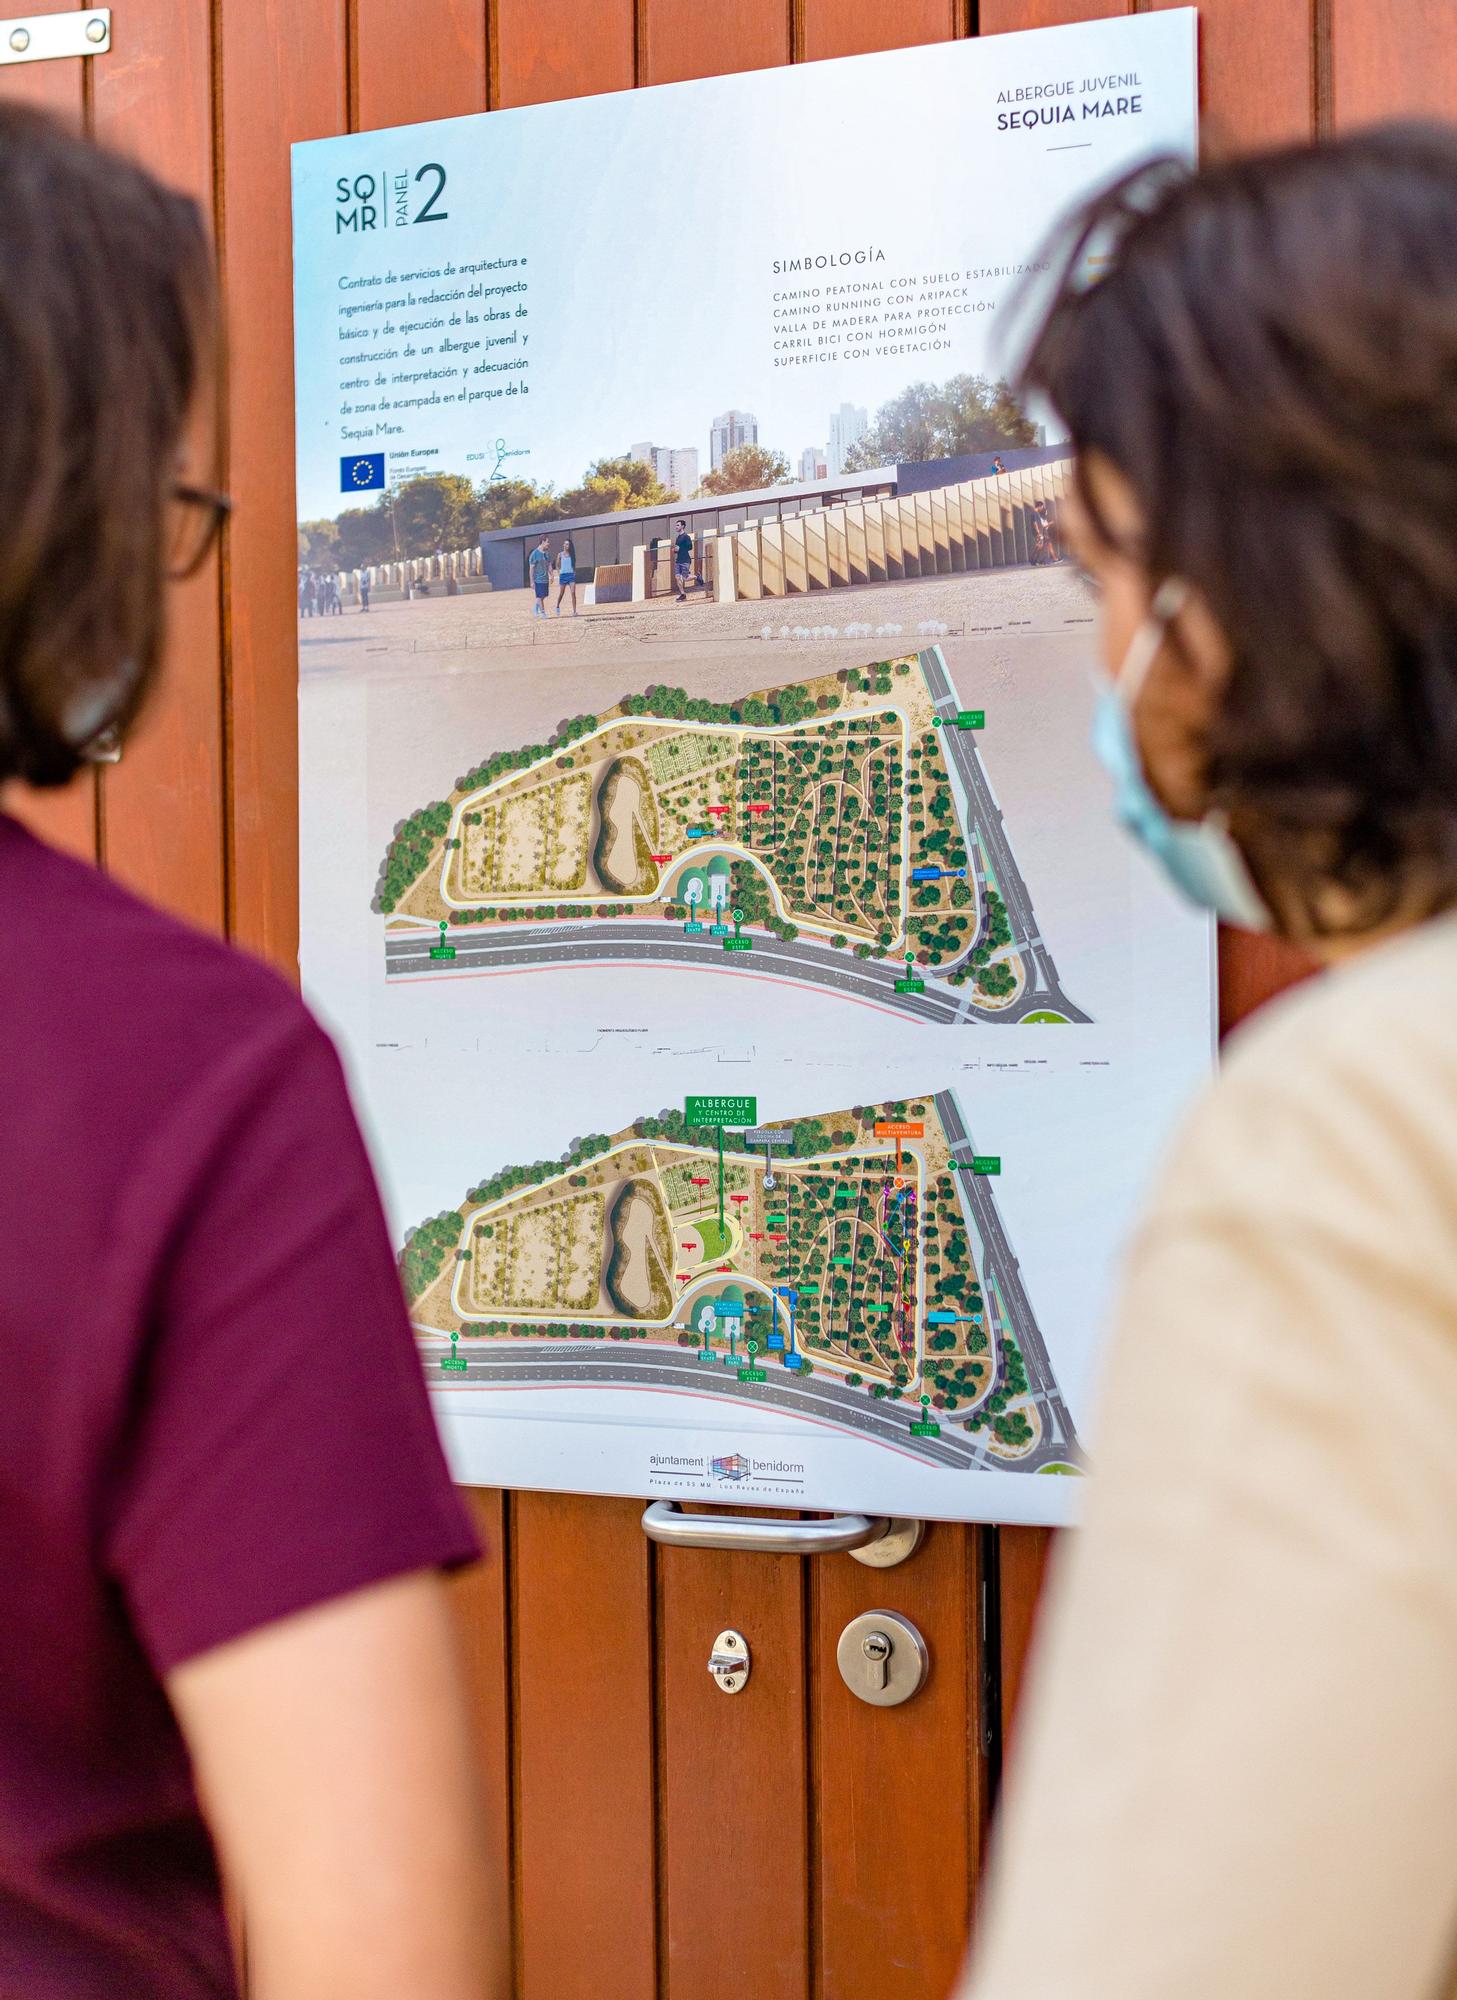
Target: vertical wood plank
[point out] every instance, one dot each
(282, 78)
(480, 1602)
(679, 41)
(58, 86)
(998, 17)
(1391, 59)
(899, 1790)
(582, 1667)
(162, 827)
(584, 1860)
(1256, 73)
(1024, 1554)
(859, 27)
(579, 48)
(66, 818)
(418, 59)
(732, 1783)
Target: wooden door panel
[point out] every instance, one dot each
(678, 41)
(582, 1685)
(1000, 16)
(575, 50)
(483, 1615)
(1391, 59)
(900, 1791)
(1256, 73)
(281, 77)
(732, 1782)
(858, 27)
(163, 807)
(412, 62)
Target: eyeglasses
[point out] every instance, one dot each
(196, 518)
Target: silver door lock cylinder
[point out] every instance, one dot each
(729, 1661)
(882, 1658)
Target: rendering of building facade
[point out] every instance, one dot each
(729, 431)
(674, 466)
(848, 425)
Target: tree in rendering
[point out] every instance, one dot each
(746, 469)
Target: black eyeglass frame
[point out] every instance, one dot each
(220, 506)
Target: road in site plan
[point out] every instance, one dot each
(1058, 1441)
(1042, 990)
(809, 961)
(541, 1363)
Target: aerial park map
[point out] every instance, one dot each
(764, 1032)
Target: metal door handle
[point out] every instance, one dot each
(883, 1542)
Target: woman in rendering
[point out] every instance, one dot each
(1235, 1777)
(566, 574)
(223, 1511)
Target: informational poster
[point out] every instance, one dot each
(765, 1035)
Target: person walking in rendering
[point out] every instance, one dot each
(566, 574)
(1044, 534)
(1233, 1776)
(539, 564)
(683, 561)
(364, 590)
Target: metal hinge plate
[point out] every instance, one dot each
(43, 37)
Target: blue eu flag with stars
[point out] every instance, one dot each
(361, 473)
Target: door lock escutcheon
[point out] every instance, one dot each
(729, 1661)
(882, 1658)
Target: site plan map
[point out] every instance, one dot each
(764, 1034)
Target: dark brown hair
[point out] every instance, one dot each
(1267, 350)
(106, 318)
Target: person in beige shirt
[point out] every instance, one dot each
(1235, 1777)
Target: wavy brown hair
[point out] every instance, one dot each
(1267, 351)
(107, 321)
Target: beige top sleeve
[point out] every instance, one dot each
(1237, 1775)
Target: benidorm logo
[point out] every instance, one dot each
(734, 1467)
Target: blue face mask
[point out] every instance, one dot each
(1199, 857)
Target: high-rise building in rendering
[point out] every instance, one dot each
(848, 425)
(812, 463)
(729, 431)
(674, 466)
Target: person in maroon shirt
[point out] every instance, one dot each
(223, 1509)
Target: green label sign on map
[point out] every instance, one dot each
(752, 1375)
(986, 1163)
(924, 1430)
(738, 944)
(442, 951)
(971, 718)
(810, 1288)
(910, 986)
(733, 1111)
(774, 1221)
(455, 1363)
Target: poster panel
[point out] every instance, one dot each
(764, 1033)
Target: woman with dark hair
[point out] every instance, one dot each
(223, 1510)
(1237, 1771)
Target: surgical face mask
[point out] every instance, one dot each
(1199, 857)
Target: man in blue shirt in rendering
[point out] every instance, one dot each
(539, 563)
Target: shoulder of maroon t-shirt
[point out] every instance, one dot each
(100, 986)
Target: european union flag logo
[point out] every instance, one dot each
(363, 473)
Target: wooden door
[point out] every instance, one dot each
(665, 1842)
